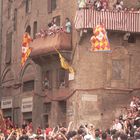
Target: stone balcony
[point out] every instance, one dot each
(43, 45)
(127, 21)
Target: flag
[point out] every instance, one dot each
(65, 64)
(99, 40)
(26, 50)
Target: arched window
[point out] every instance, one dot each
(34, 29)
(28, 29)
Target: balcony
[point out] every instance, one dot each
(44, 45)
(128, 21)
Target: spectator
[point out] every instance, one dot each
(81, 4)
(117, 125)
(119, 6)
(98, 5)
(68, 25)
(104, 5)
(104, 136)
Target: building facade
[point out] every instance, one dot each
(44, 93)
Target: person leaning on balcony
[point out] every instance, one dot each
(90, 3)
(81, 4)
(67, 25)
(104, 5)
(98, 5)
(119, 5)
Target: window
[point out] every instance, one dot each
(117, 69)
(8, 48)
(34, 29)
(62, 78)
(62, 105)
(15, 19)
(47, 80)
(132, 39)
(28, 6)
(9, 8)
(47, 107)
(28, 86)
(51, 5)
(28, 29)
(57, 20)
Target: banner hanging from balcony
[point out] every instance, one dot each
(65, 65)
(26, 50)
(99, 40)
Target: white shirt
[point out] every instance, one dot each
(88, 137)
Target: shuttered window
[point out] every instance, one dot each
(47, 107)
(28, 86)
(28, 6)
(47, 80)
(62, 78)
(15, 19)
(28, 29)
(8, 48)
(51, 5)
(62, 105)
(34, 29)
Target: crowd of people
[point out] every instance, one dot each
(96, 4)
(125, 127)
(103, 5)
(53, 28)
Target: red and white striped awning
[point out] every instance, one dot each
(112, 20)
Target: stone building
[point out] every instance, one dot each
(44, 93)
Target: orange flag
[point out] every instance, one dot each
(26, 50)
(99, 40)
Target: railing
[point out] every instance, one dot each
(128, 21)
(44, 45)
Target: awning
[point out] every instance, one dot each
(128, 21)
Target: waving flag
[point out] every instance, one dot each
(99, 40)
(65, 65)
(26, 50)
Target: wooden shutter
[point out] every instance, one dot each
(49, 6)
